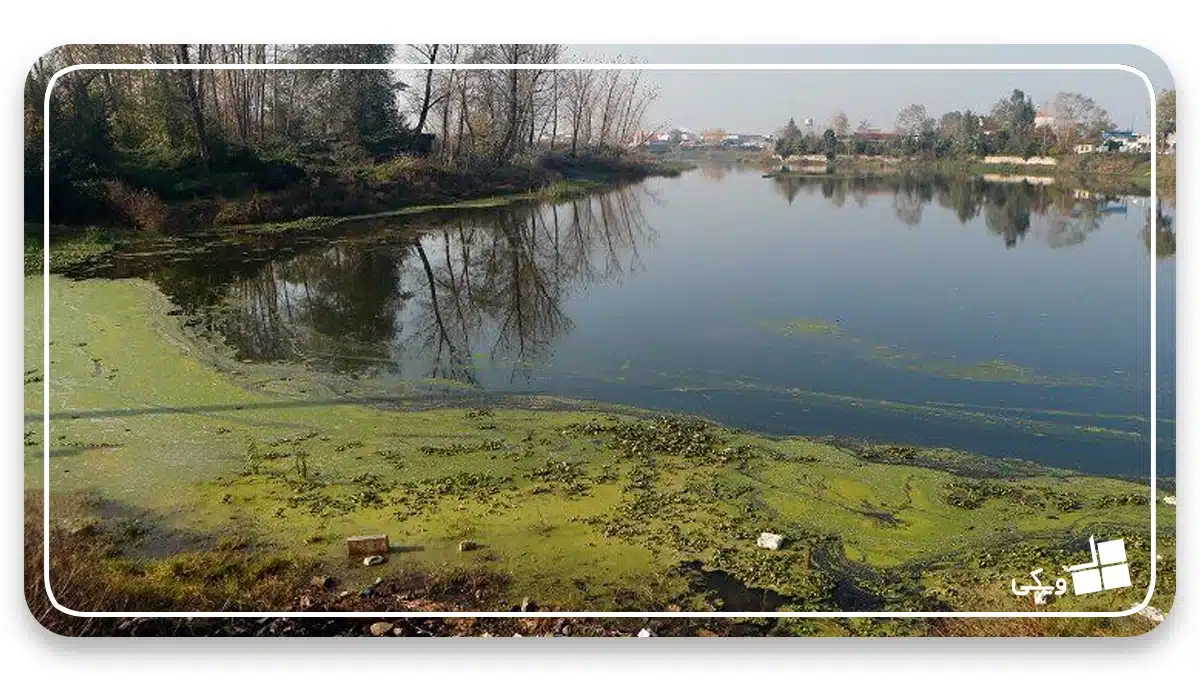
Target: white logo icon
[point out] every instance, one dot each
(1106, 571)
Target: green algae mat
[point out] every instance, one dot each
(177, 447)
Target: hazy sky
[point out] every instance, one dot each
(761, 102)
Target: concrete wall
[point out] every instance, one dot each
(1021, 161)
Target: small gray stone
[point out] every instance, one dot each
(372, 560)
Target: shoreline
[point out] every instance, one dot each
(1137, 179)
(71, 246)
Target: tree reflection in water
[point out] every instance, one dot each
(1164, 231)
(1010, 210)
(489, 286)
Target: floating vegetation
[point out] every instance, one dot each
(973, 494)
(805, 326)
(494, 445)
(994, 370)
(785, 571)
(675, 436)
(888, 454)
(423, 497)
(643, 517)
(1133, 499)
(569, 476)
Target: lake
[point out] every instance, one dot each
(981, 314)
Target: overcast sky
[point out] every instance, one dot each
(761, 102)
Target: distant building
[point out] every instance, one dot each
(747, 141)
(1085, 148)
(1043, 119)
(1124, 141)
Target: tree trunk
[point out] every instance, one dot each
(425, 104)
(189, 84)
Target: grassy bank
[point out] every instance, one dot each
(403, 187)
(399, 183)
(68, 247)
(194, 479)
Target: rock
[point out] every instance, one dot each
(378, 580)
(372, 560)
(343, 594)
(323, 582)
(770, 541)
(486, 635)
(467, 545)
(516, 635)
(1152, 613)
(381, 628)
(305, 601)
(528, 605)
(367, 592)
(566, 630)
(1169, 500)
(646, 632)
(374, 544)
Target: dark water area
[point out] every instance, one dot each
(991, 316)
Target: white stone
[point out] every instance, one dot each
(645, 632)
(770, 541)
(1169, 500)
(1152, 613)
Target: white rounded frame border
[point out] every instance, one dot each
(613, 66)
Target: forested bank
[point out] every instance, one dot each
(184, 148)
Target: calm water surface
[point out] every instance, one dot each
(1006, 319)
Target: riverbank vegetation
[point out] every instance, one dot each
(163, 150)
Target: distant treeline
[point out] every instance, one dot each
(1014, 126)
